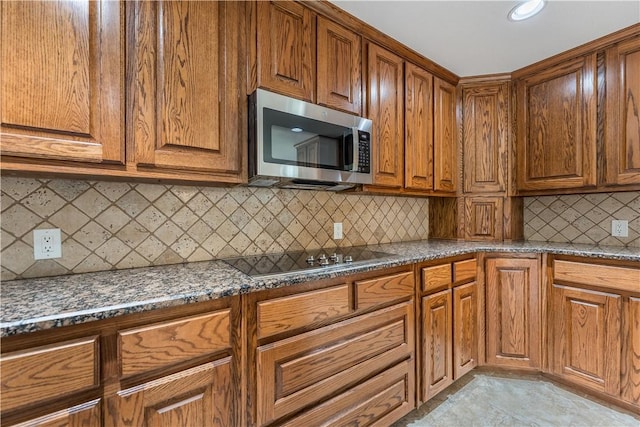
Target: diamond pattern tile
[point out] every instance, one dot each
(582, 218)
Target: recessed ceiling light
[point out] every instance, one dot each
(526, 10)
(296, 129)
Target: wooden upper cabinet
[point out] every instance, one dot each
(188, 102)
(62, 80)
(444, 136)
(556, 136)
(622, 131)
(485, 137)
(339, 67)
(385, 105)
(418, 128)
(286, 49)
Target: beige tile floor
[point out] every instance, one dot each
(487, 398)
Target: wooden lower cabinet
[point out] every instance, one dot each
(200, 396)
(595, 326)
(343, 367)
(513, 312)
(449, 325)
(84, 415)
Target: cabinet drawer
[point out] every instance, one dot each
(434, 278)
(382, 399)
(304, 369)
(464, 270)
(161, 344)
(617, 278)
(41, 373)
(291, 312)
(383, 289)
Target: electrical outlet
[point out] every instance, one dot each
(337, 230)
(620, 228)
(47, 244)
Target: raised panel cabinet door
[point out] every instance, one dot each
(630, 367)
(444, 136)
(622, 132)
(186, 87)
(339, 67)
(199, 396)
(465, 329)
(418, 131)
(437, 344)
(485, 137)
(513, 312)
(62, 80)
(287, 49)
(385, 105)
(556, 134)
(586, 337)
(483, 218)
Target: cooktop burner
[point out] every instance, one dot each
(270, 264)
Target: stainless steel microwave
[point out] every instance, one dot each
(296, 144)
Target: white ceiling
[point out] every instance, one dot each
(475, 37)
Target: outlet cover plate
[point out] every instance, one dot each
(620, 228)
(47, 244)
(337, 230)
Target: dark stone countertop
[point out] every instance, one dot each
(36, 304)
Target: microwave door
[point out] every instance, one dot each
(352, 150)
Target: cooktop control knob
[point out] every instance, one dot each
(323, 261)
(333, 257)
(310, 260)
(322, 257)
(348, 258)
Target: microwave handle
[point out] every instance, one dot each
(355, 136)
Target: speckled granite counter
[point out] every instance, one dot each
(37, 304)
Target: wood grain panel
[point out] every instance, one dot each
(437, 277)
(85, 414)
(444, 136)
(287, 49)
(556, 138)
(418, 129)
(630, 366)
(465, 329)
(622, 133)
(383, 397)
(199, 396)
(464, 270)
(50, 371)
(586, 337)
(339, 67)
(437, 344)
(155, 346)
(388, 331)
(187, 87)
(62, 80)
(513, 312)
(384, 289)
(604, 276)
(485, 137)
(385, 106)
(483, 218)
(295, 311)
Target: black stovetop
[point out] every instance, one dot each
(287, 262)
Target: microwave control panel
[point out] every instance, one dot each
(364, 152)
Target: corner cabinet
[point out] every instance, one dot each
(333, 352)
(557, 126)
(444, 136)
(62, 81)
(622, 131)
(513, 314)
(187, 89)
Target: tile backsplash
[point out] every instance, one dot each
(115, 225)
(582, 218)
